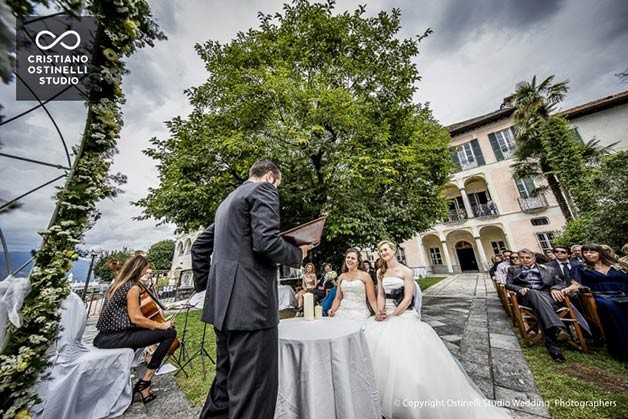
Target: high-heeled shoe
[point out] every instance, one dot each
(140, 386)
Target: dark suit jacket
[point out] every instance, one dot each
(550, 278)
(235, 260)
(558, 268)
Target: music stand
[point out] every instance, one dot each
(191, 303)
(202, 352)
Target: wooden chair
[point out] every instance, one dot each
(528, 323)
(587, 300)
(526, 320)
(503, 296)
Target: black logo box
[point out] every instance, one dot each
(53, 57)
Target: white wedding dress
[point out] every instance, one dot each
(353, 303)
(416, 375)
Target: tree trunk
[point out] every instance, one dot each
(556, 189)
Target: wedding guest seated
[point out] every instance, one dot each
(539, 287)
(624, 250)
(576, 254)
(608, 279)
(122, 324)
(561, 263)
(497, 259)
(366, 267)
(308, 284)
(502, 269)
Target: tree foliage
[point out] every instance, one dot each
(102, 271)
(545, 145)
(329, 97)
(160, 255)
(607, 221)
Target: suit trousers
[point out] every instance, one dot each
(545, 308)
(247, 376)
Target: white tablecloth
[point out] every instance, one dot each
(285, 295)
(325, 371)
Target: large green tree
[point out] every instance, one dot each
(607, 221)
(329, 97)
(160, 255)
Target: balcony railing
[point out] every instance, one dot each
(456, 215)
(533, 203)
(508, 154)
(485, 210)
(468, 165)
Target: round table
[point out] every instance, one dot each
(325, 371)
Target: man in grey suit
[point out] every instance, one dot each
(235, 260)
(540, 287)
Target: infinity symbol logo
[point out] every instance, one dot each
(57, 40)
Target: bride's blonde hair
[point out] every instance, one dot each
(383, 266)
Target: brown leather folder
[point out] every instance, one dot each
(308, 233)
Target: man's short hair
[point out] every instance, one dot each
(526, 251)
(558, 246)
(575, 246)
(263, 166)
(506, 250)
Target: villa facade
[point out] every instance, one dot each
(488, 209)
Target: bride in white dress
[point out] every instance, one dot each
(354, 286)
(416, 375)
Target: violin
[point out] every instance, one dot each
(151, 308)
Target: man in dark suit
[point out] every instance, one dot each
(235, 260)
(539, 287)
(562, 265)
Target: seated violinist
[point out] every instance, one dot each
(123, 325)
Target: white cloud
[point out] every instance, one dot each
(478, 52)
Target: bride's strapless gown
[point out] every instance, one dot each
(353, 304)
(412, 365)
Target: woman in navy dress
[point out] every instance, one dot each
(605, 275)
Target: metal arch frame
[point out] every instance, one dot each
(67, 168)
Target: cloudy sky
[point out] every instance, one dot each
(479, 50)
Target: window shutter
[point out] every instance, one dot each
(454, 158)
(575, 135)
(498, 152)
(477, 152)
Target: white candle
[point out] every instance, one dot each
(318, 312)
(308, 306)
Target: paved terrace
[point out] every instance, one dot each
(465, 312)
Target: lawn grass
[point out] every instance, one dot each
(194, 387)
(428, 281)
(593, 377)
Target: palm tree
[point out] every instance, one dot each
(535, 104)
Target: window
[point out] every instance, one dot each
(498, 246)
(525, 186)
(435, 256)
(506, 142)
(541, 221)
(180, 249)
(545, 240)
(465, 155)
(401, 255)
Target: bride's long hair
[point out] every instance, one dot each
(344, 261)
(383, 266)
